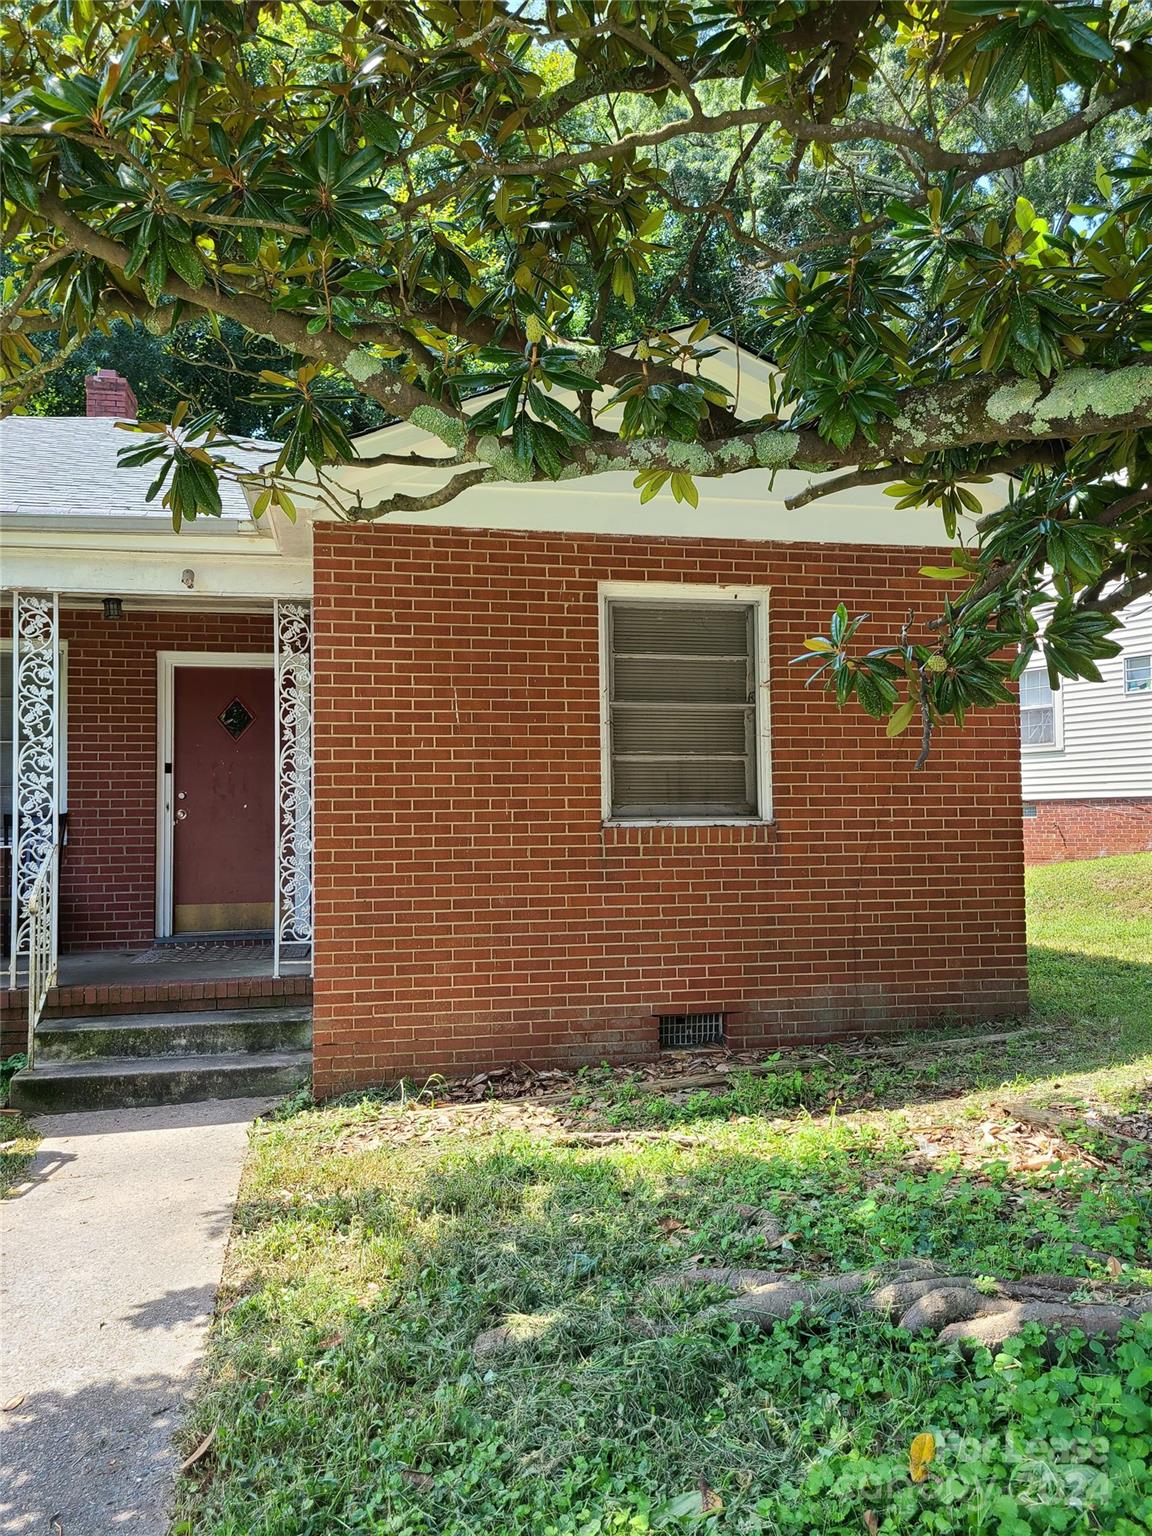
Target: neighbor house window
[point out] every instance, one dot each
(1137, 674)
(1037, 710)
(685, 733)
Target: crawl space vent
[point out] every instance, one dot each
(686, 1031)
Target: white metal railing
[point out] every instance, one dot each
(42, 962)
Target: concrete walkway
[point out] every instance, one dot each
(112, 1252)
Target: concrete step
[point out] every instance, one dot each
(131, 1082)
(215, 1032)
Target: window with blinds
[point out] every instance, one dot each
(1037, 710)
(682, 702)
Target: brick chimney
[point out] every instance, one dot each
(110, 395)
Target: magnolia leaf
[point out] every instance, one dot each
(902, 718)
(816, 644)
(199, 1453)
(1025, 214)
(921, 1453)
(944, 572)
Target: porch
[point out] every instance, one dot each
(158, 848)
(168, 978)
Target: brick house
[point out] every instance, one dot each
(524, 778)
(1086, 754)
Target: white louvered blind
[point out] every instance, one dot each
(682, 697)
(1037, 710)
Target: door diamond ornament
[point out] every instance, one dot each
(236, 719)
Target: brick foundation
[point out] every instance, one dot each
(1086, 829)
(471, 907)
(108, 865)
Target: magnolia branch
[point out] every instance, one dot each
(388, 388)
(400, 502)
(929, 154)
(1004, 410)
(887, 474)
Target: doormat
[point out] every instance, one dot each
(166, 953)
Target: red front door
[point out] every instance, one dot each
(223, 799)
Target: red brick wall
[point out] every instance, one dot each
(471, 909)
(1086, 829)
(108, 867)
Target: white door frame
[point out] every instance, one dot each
(166, 664)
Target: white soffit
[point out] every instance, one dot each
(748, 505)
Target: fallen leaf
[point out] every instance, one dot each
(871, 1522)
(417, 1479)
(1115, 1268)
(199, 1453)
(920, 1454)
(710, 1501)
(670, 1224)
(13, 1402)
(692, 1506)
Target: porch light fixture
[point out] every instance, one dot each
(113, 608)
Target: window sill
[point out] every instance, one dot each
(687, 821)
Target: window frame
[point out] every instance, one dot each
(664, 593)
(1057, 742)
(1130, 692)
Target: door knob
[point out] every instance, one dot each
(181, 814)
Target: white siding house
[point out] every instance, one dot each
(1086, 754)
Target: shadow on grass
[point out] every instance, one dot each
(1114, 995)
(347, 1396)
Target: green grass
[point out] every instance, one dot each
(1090, 947)
(18, 1141)
(367, 1257)
(18, 1138)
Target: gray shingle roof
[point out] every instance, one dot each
(67, 464)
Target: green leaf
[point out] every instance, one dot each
(902, 718)
(653, 484)
(185, 263)
(684, 489)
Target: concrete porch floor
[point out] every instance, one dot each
(163, 963)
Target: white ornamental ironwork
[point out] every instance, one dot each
(36, 755)
(42, 958)
(292, 932)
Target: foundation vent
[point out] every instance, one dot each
(688, 1031)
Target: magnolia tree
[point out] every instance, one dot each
(420, 201)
